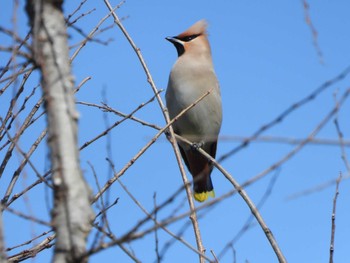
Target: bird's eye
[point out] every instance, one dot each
(188, 38)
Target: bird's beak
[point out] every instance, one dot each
(172, 40)
(179, 45)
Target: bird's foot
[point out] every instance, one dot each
(167, 134)
(197, 145)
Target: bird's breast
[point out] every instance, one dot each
(203, 121)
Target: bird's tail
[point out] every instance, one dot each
(201, 197)
(200, 169)
(203, 186)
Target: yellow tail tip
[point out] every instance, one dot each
(201, 197)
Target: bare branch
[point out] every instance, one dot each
(93, 31)
(86, 144)
(248, 223)
(325, 120)
(31, 253)
(314, 32)
(288, 111)
(153, 140)
(331, 249)
(157, 224)
(156, 240)
(76, 10)
(284, 140)
(27, 217)
(342, 146)
(250, 204)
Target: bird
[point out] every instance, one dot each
(191, 76)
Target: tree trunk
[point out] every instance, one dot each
(72, 212)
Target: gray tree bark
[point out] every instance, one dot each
(72, 212)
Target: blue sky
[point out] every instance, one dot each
(265, 60)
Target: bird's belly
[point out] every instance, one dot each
(201, 123)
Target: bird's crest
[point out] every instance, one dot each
(199, 28)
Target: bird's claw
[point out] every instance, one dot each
(167, 134)
(197, 145)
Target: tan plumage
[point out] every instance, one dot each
(191, 76)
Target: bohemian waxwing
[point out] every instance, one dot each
(191, 77)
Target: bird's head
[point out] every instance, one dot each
(193, 40)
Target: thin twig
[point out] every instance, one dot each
(113, 237)
(105, 107)
(314, 32)
(315, 189)
(153, 140)
(213, 253)
(251, 206)
(284, 140)
(156, 230)
(158, 224)
(248, 222)
(334, 111)
(105, 132)
(27, 217)
(30, 241)
(81, 84)
(93, 31)
(342, 145)
(109, 143)
(103, 212)
(31, 253)
(287, 112)
(289, 155)
(70, 23)
(75, 11)
(331, 248)
(107, 208)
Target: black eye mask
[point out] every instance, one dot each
(187, 38)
